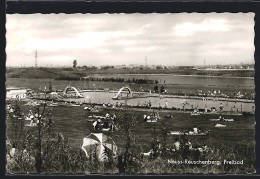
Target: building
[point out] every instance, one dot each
(15, 93)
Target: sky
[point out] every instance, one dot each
(117, 39)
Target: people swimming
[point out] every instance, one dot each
(206, 108)
(166, 104)
(138, 104)
(221, 107)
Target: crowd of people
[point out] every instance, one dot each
(153, 117)
(176, 146)
(145, 104)
(109, 123)
(116, 105)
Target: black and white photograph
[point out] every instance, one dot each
(168, 93)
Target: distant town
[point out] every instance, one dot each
(152, 67)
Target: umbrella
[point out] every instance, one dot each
(98, 144)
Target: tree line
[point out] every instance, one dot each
(120, 80)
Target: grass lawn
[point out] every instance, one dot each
(234, 142)
(71, 122)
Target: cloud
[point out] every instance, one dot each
(208, 25)
(96, 39)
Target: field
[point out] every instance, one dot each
(238, 136)
(51, 73)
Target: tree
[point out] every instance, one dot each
(50, 86)
(17, 120)
(127, 121)
(37, 149)
(158, 67)
(75, 64)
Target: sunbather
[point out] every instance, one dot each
(195, 129)
(177, 144)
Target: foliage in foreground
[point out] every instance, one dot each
(61, 160)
